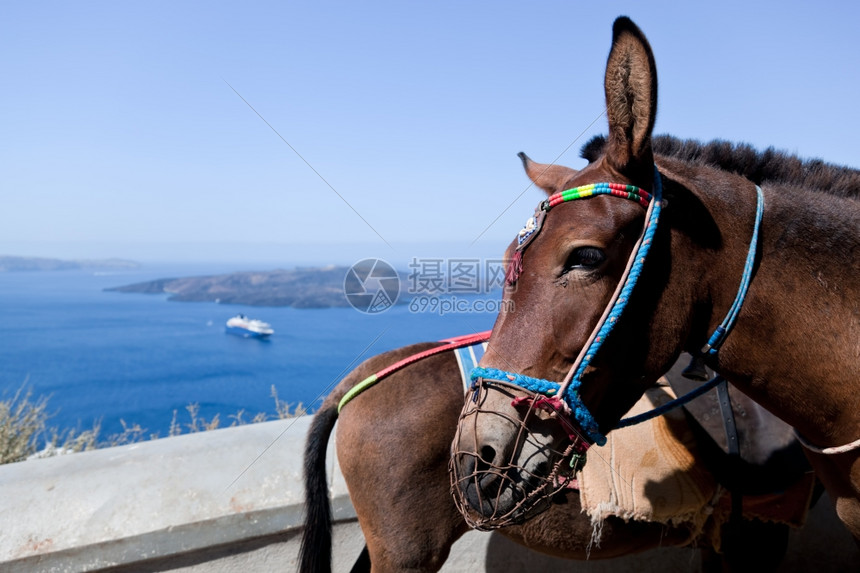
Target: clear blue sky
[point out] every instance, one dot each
(121, 137)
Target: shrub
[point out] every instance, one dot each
(23, 427)
(22, 424)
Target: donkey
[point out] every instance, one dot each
(393, 442)
(639, 257)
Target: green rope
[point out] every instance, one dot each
(356, 390)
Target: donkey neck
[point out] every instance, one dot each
(795, 345)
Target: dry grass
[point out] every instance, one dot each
(24, 430)
(22, 424)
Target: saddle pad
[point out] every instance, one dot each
(649, 472)
(654, 471)
(467, 358)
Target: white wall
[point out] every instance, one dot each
(231, 501)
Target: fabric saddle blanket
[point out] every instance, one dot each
(467, 358)
(662, 471)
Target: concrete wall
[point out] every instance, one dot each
(231, 501)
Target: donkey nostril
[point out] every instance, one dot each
(542, 470)
(488, 455)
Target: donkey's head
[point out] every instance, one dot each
(580, 256)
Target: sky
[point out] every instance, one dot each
(324, 132)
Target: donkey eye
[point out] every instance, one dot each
(584, 258)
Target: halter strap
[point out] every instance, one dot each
(622, 293)
(831, 451)
(718, 337)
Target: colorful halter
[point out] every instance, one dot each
(535, 223)
(568, 389)
(567, 392)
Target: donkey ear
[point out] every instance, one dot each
(548, 176)
(631, 99)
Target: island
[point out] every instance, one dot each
(15, 264)
(303, 287)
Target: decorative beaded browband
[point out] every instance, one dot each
(617, 189)
(534, 224)
(566, 393)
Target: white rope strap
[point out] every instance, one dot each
(828, 451)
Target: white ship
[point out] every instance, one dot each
(241, 325)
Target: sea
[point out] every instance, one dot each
(116, 359)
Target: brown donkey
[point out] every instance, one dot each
(641, 256)
(393, 443)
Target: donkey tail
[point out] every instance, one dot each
(315, 552)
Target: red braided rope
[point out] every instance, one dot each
(557, 406)
(447, 344)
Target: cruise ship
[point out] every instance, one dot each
(241, 325)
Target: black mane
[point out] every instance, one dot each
(768, 166)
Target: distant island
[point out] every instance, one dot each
(304, 287)
(15, 264)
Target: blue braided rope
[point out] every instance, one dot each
(723, 329)
(548, 388)
(537, 385)
(632, 279)
(660, 410)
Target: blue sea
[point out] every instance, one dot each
(108, 357)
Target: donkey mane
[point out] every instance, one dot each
(768, 166)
